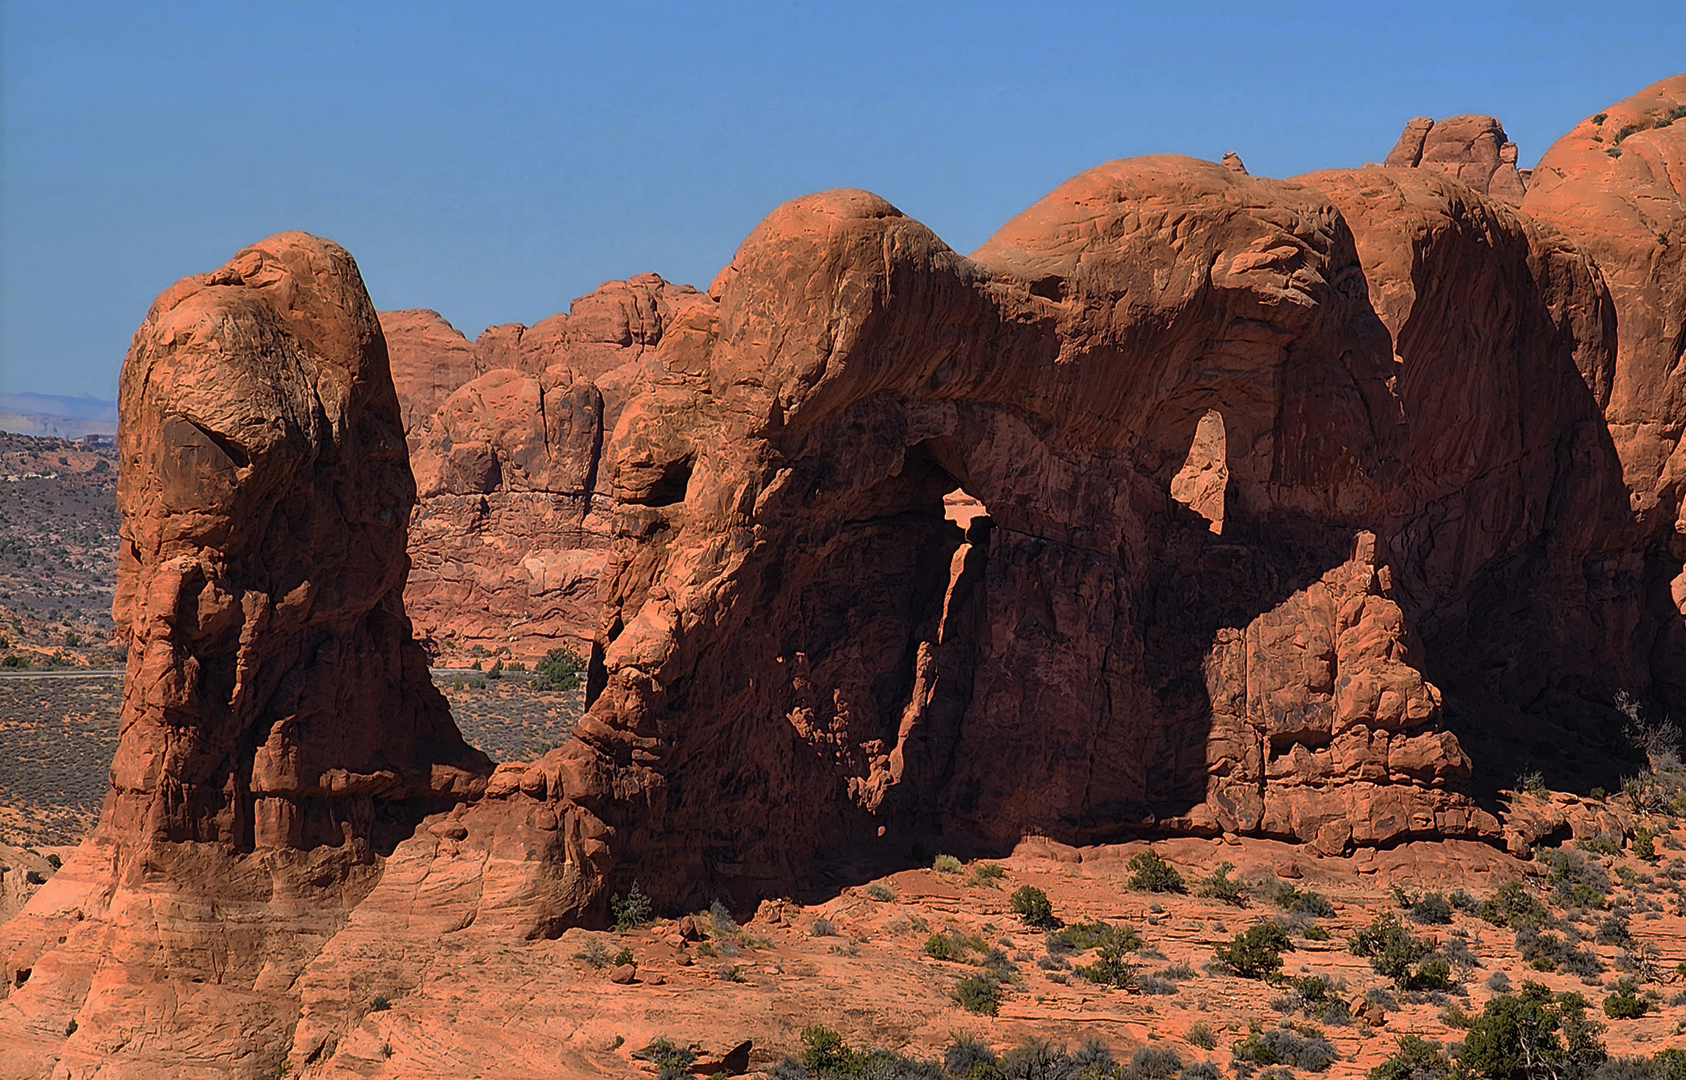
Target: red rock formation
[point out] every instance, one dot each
(1473, 149)
(1616, 185)
(278, 728)
(512, 529)
(801, 654)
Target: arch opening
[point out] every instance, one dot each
(1202, 484)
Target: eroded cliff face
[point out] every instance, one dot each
(801, 655)
(279, 730)
(511, 531)
(1616, 185)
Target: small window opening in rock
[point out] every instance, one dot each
(1203, 480)
(961, 508)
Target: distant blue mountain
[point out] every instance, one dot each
(56, 414)
(83, 406)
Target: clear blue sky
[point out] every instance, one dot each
(492, 161)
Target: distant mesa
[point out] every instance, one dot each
(58, 415)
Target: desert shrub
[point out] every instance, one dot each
(1546, 951)
(595, 953)
(1430, 909)
(880, 892)
(1317, 933)
(988, 873)
(731, 973)
(1416, 1059)
(1031, 904)
(55, 862)
(823, 928)
(380, 1003)
(1302, 1048)
(721, 918)
(1457, 950)
(1218, 886)
(1176, 972)
(1152, 985)
(559, 670)
(946, 864)
(1111, 966)
(1498, 982)
(1297, 901)
(1613, 929)
(496, 671)
(1396, 954)
(1201, 1034)
(1644, 845)
(1093, 1055)
(1511, 906)
(1669, 1064)
(624, 957)
(1533, 1033)
(1155, 1063)
(1201, 1070)
(633, 911)
(1083, 936)
(1464, 900)
(1626, 1003)
(1576, 881)
(1150, 873)
(1255, 953)
(967, 1054)
(978, 994)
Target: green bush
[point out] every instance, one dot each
(1031, 904)
(1626, 1003)
(1083, 936)
(631, 912)
(1296, 901)
(1301, 1047)
(977, 994)
(1150, 873)
(1533, 1033)
(1416, 1059)
(1644, 844)
(1201, 1034)
(1255, 953)
(1111, 968)
(559, 670)
(946, 864)
(1511, 906)
(1218, 886)
(880, 892)
(1394, 951)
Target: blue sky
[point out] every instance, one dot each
(493, 161)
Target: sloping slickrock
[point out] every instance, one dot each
(1616, 185)
(279, 729)
(1472, 149)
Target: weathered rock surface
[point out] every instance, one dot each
(278, 727)
(511, 532)
(1471, 149)
(1616, 185)
(1510, 521)
(801, 655)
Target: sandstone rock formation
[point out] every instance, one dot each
(1473, 149)
(279, 730)
(1191, 503)
(1509, 522)
(1616, 185)
(511, 532)
(800, 654)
